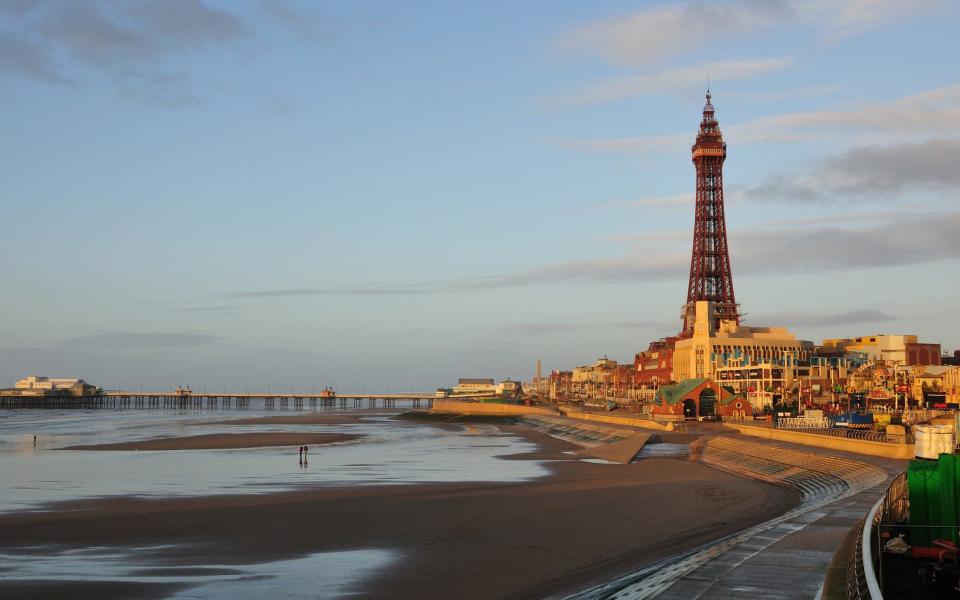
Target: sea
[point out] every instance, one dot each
(38, 474)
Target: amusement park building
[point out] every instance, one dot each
(891, 349)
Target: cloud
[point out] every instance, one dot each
(142, 340)
(186, 22)
(26, 59)
(867, 174)
(306, 25)
(904, 240)
(851, 317)
(675, 79)
(542, 328)
(222, 309)
(810, 91)
(132, 44)
(132, 34)
(856, 16)
(641, 144)
(899, 239)
(647, 36)
(931, 112)
(643, 37)
(532, 329)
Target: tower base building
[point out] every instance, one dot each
(763, 362)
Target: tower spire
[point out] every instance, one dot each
(710, 275)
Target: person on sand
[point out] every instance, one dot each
(301, 455)
(305, 450)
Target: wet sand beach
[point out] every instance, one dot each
(307, 419)
(581, 524)
(223, 441)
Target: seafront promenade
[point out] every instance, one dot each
(788, 556)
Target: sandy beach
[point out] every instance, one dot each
(582, 524)
(223, 441)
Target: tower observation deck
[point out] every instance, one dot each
(710, 276)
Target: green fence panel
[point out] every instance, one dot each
(923, 483)
(948, 497)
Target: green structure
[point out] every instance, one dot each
(934, 511)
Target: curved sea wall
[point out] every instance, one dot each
(613, 420)
(488, 408)
(725, 566)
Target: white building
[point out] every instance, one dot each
(475, 386)
(42, 385)
(510, 388)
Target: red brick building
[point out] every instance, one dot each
(694, 398)
(922, 354)
(654, 366)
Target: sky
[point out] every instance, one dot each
(386, 196)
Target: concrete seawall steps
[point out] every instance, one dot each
(578, 432)
(707, 571)
(616, 444)
(815, 476)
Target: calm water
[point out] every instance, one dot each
(390, 452)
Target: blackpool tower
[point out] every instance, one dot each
(710, 277)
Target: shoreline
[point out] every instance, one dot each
(224, 441)
(307, 419)
(581, 524)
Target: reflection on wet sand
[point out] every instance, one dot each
(387, 451)
(319, 575)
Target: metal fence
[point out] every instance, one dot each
(856, 434)
(865, 560)
(856, 577)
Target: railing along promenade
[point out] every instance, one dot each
(863, 561)
(214, 401)
(796, 425)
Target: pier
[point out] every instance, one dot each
(119, 400)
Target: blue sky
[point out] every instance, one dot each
(382, 195)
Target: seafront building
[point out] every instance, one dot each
(890, 349)
(654, 365)
(935, 384)
(762, 362)
(35, 385)
(475, 386)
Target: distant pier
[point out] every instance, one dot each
(119, 400)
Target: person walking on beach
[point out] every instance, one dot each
(305, 450)
(301, 455)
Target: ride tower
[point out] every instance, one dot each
(710, 276)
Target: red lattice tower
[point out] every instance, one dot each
(710, 277)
